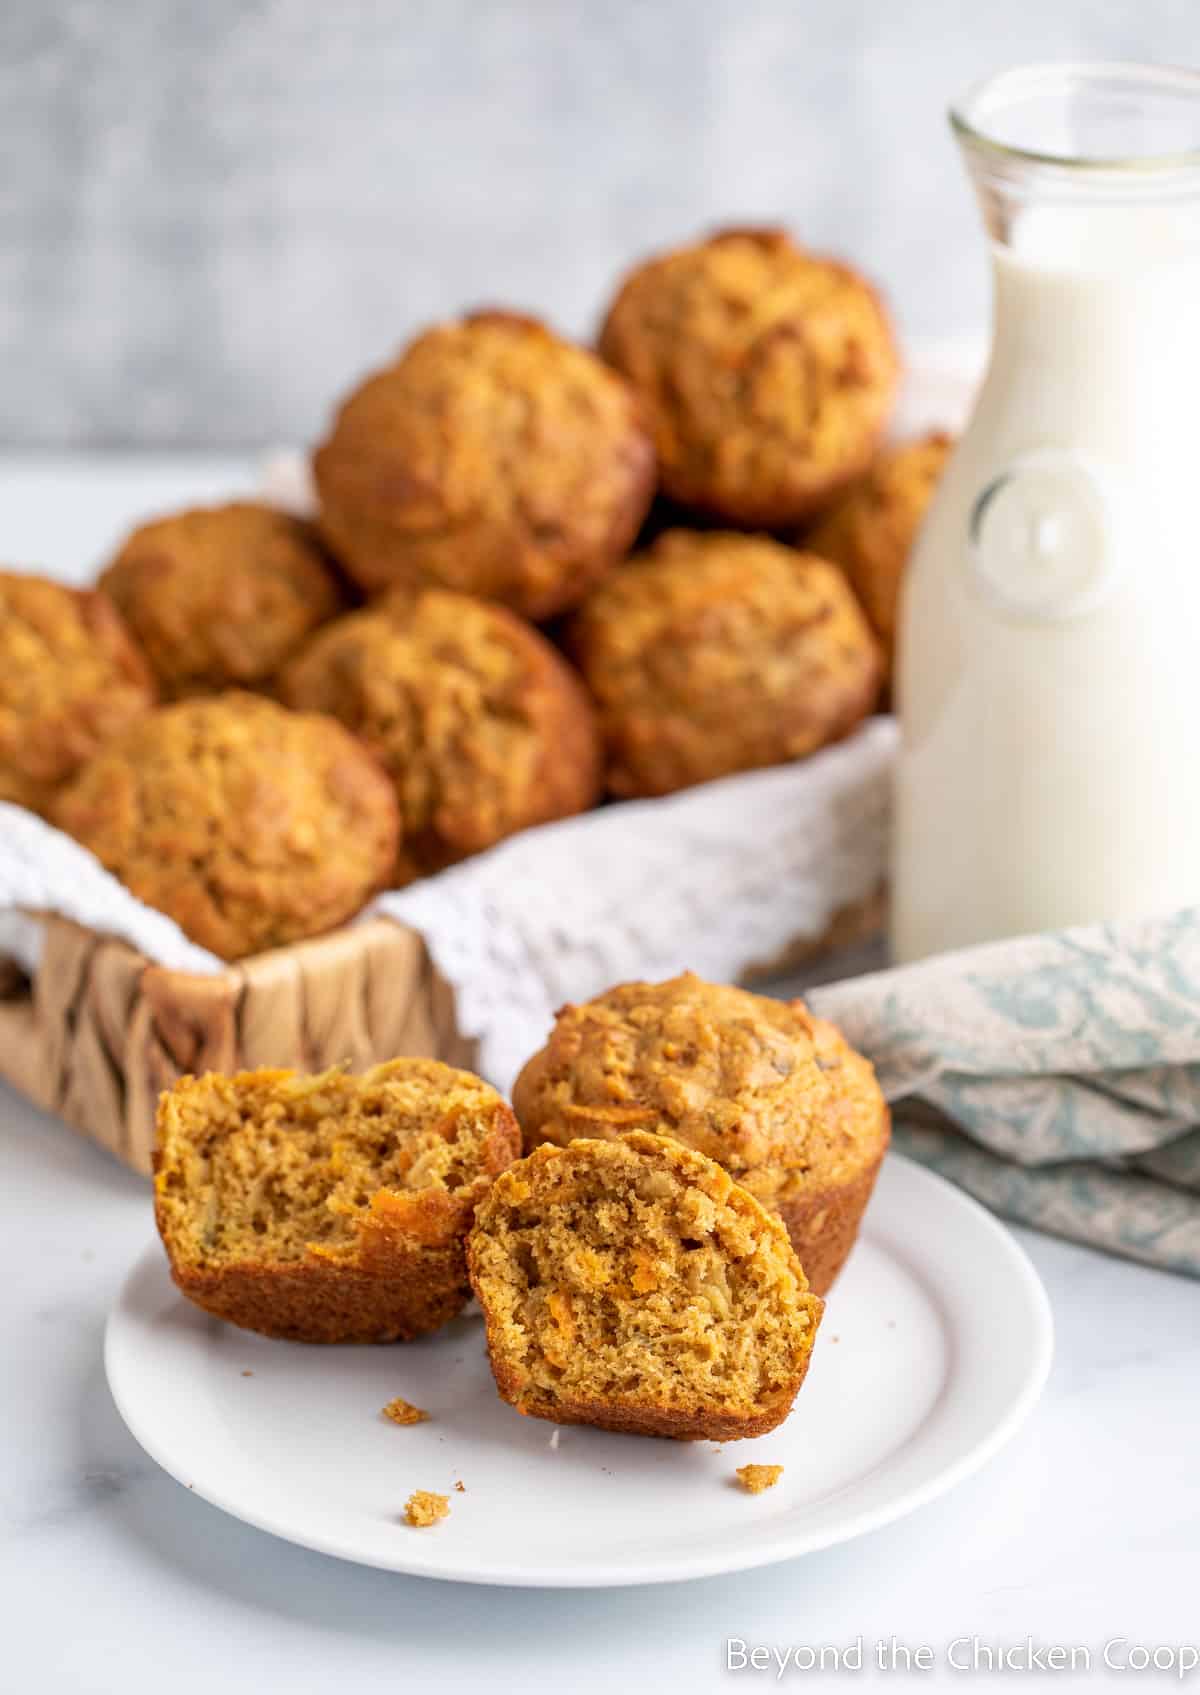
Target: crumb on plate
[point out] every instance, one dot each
(425, 1508)
(755, 1478)
(401, 1411)
(461, 1487)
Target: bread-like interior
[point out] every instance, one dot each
(636, 1273)
(271, 1167)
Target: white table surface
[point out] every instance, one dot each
(112, 1576)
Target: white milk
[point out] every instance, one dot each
(1050, 645)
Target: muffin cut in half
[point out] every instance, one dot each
(773, 1094)
(633, 1285)
(329, 1208)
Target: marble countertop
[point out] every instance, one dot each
(1085, 1529)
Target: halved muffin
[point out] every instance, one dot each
(773, 1094)
(633, 1285)
(329, 1208)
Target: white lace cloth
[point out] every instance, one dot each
(719, 878)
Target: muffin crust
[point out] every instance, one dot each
(768, 372)
(220, 596)
(492, 457)
(71, 678)
(631, 1284)
(771, 1093)
(250, 825)
(713, 653)
(481, 725)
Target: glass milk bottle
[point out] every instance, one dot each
(1049, 670)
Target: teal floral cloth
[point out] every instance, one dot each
(1055, 1077)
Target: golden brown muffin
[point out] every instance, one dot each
(482, 726)
(220, 596)
(714, 653)
(330, 1208)
(633, 1285)
(770, 1092)
(769, 373)
(494, 458)
(871, 529)
(70, 679)
(249, 825)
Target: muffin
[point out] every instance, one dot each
(481, 725)
(329, 1208)
(768, 1091)
(768, 373)
(219, 597)
(633, 1285)
(70, 679)
(714, 653)
(871, 529)
(249, 825)
(492, 457)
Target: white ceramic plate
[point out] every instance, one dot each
(935, 1345)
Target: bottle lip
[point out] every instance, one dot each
(974, 115)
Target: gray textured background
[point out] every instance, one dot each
(215, 214)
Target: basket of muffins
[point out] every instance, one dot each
(539, 577)
(649, 1229)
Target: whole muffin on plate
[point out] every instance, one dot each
(633, 1285)
(220, 596)
(769, 373)
(71, 678)
(712, 653)
(870, 530)
(771, 1093)
(330, 1208)
(492, 457)
(249, 825)
(481, 724)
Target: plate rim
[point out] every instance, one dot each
(779, 1546)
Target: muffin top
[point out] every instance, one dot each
(492, 457)
(713, 653)
(871, 529)
(70, 678)
(772, 1094)
(220, 596)
(481, 724)
(250, 825)
(768, 372)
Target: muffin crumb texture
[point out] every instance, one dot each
(774, 1095)
(632, 1285)
(401, 1411)
(328, 1208)
(425, 1508)
(755, 1478)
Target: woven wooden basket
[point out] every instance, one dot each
(99, 1031)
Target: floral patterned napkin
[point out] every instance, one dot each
(1056, 1077)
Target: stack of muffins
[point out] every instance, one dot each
(257, 722)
